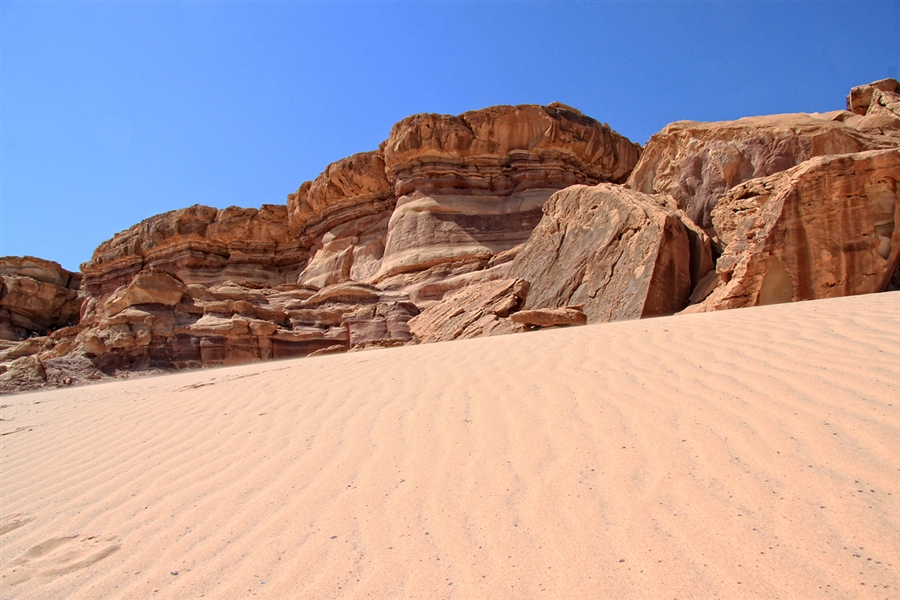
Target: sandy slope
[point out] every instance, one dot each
(751, 453)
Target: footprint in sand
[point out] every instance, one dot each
(58, 556)
(15, 521)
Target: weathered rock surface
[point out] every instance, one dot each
(619, 253)
(471, 187)
(200, 245)
(36, 296)
(474, 311)
(826, 228)
(875, 109)
(697, 163)
(494, 221)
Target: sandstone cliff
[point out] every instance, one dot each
(823, 229)
(697, 163)
(495, 221)
(36, 296)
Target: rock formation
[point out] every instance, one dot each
(495, 221)
(474, 311)
(826, 228)
(618, 253)
(36, 296)
(697, 163)
(444, 195)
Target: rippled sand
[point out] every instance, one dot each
(742, 454)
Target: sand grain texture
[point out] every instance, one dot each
(752, 453)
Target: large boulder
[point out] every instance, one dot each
(36, 296)
(619, 253)
(826, 228)
(697, 163)
(474, 311)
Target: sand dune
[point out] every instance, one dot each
(745, 454)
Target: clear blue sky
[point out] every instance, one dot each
(111, 112)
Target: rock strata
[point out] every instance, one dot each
(471, 187)
(495, 221)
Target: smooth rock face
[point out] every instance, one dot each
(471, 187)
(36, 296)
(824, 229)
(619, 253)
(697, 163)
(476, 310)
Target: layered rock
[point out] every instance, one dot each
(494, 221)
(697, 163)
(618, 253)
(826, 228)
(200, 245)
(342, 217)
(36, 296)
(471, 187)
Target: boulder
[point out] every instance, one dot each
(147, 287)
(619, 253)
(826, 228)
(550, 317)
(476, 310)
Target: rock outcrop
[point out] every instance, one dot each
(826, 228)
(619, 253)
(471, 187)
(36, 296)
(697, 163)
(200, 245)
(495, 221)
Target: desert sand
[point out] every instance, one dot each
(752, 453)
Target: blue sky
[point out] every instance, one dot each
(111, 112)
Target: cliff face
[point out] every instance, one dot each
(494, 221)
(36, 296)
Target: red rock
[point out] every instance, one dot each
(823, 229)
(550, 317)
(697, 163)
(36, 296)
(619, 253)
(473, 311)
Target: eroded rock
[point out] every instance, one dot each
(826, 228)
(619, 253)
(36, 296)
(697, 163)
(473, 311)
